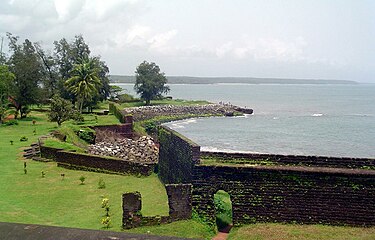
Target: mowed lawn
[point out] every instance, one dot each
(274, 231)
(54, 200)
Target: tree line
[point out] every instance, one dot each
(30, 75)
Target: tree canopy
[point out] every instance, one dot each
(27, 68)
(61, 110)
(84, 83)
(150, 82)
(33, 75)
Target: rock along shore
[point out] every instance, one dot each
(148, 112)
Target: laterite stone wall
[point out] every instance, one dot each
(288, 194)
(177, 156)
(292, 160)
(81, 161)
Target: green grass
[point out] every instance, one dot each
(223, 207)
(207, 160)
(52, 200)
(273, 231)
(56, 143)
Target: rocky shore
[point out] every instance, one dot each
(147, 112)
(141, 150)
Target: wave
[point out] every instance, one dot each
(317, 114)
(215, 149)
(176, 126)
(361, 115)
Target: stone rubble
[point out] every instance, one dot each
(141, 150)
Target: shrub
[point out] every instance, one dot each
(123, 98)
(11, 122)
(78, 117)
(150, 127)
(82, 179)
(106, 221)
(87, 135)
(23, 139)
(101, 183)
(61, 110)
(105, 205)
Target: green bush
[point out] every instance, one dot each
(23, 139)
(78, 117)
(101, 183)
(87, 135)
(123, 98)
(11, 122)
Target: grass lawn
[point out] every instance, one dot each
(273, 231)
(52, 200)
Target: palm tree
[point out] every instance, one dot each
(84, 83)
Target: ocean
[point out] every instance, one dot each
(303, 119)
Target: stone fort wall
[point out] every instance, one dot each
(273, 188)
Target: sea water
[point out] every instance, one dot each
(330, 120)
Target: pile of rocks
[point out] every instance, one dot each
(147, 112)
(141, 150)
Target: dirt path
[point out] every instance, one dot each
(223, 233)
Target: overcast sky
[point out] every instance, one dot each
(325, 39)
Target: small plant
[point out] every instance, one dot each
(96, 119)
(34, 132)
(106, 221)
(43, 174)
(105, 205)
(34, 122)
(62, 176)
(82, 179)
(101, 183)
(23, 139)
(11, 142)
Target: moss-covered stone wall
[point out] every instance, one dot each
(179, 201)
(289, 160)
(177, 156)
(288, 194)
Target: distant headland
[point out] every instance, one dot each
(236, 80)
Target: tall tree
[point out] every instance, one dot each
(50, 71)
(6, 83)
(27, 68)
(84, 83)
(150, 82)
